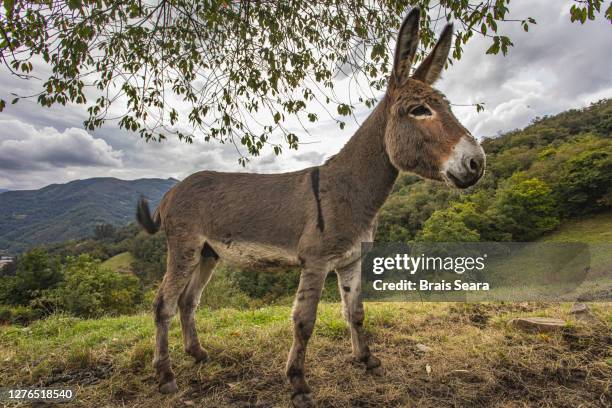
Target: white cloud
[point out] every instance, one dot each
(26, 151)
(555, 66)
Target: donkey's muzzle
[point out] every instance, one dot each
(467, 164)
(470, 172)
(462, 182)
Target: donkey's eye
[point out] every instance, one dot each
(420, 111)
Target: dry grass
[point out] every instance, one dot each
(476, 358)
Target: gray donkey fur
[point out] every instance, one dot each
(314, 218)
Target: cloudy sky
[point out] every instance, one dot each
(556, 66)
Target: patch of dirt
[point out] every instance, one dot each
(80, 376)
(603, 295)
(478, 314)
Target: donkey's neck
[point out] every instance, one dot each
(363, 167)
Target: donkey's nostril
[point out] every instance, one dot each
(473, 164)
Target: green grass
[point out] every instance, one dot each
(590, 229)
(477, 358)
(120, 263)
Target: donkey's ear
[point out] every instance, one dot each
(430, 69)
(407, 41)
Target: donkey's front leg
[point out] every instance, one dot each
(349, 282)
(304, 316)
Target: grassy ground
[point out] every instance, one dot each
(590, 229)
(120, 263)
(476, 358)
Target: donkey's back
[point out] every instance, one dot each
(248, 219)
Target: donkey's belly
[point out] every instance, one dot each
(254, 255)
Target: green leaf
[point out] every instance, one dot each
(9, 5)
(494, 48)
(74, 4)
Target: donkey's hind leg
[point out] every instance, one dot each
(188, 303)
(349, 282)
(181, 265)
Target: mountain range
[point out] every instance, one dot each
(59, 212)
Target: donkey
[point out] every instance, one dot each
(314, 218)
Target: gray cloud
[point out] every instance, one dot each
(311, 157)
(557, 65)
(25, 147)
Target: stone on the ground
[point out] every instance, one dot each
(423, 348)
(579, 308)
(582, 312)
(538, 324)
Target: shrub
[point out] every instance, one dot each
(22, 315)
(222, 292)
(585, 184)
(456, 223)
(90, 290)
(35, 271)
(25, 315)
(149, 253)
(404, 213)
(524, 208)
(5, 315)
(265, 285)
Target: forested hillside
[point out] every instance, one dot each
(60, 212)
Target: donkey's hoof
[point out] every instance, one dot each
(373, 363)
(200, 355)
(169, 387)
(375, 371)
(302, 401)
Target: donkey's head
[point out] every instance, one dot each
(422, 134)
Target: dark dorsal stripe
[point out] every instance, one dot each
(314, 178)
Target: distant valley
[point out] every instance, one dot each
(61, 212)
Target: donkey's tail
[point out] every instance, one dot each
(143, 215)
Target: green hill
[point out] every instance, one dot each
(590, 229)
(119, 263)
(60, 212)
